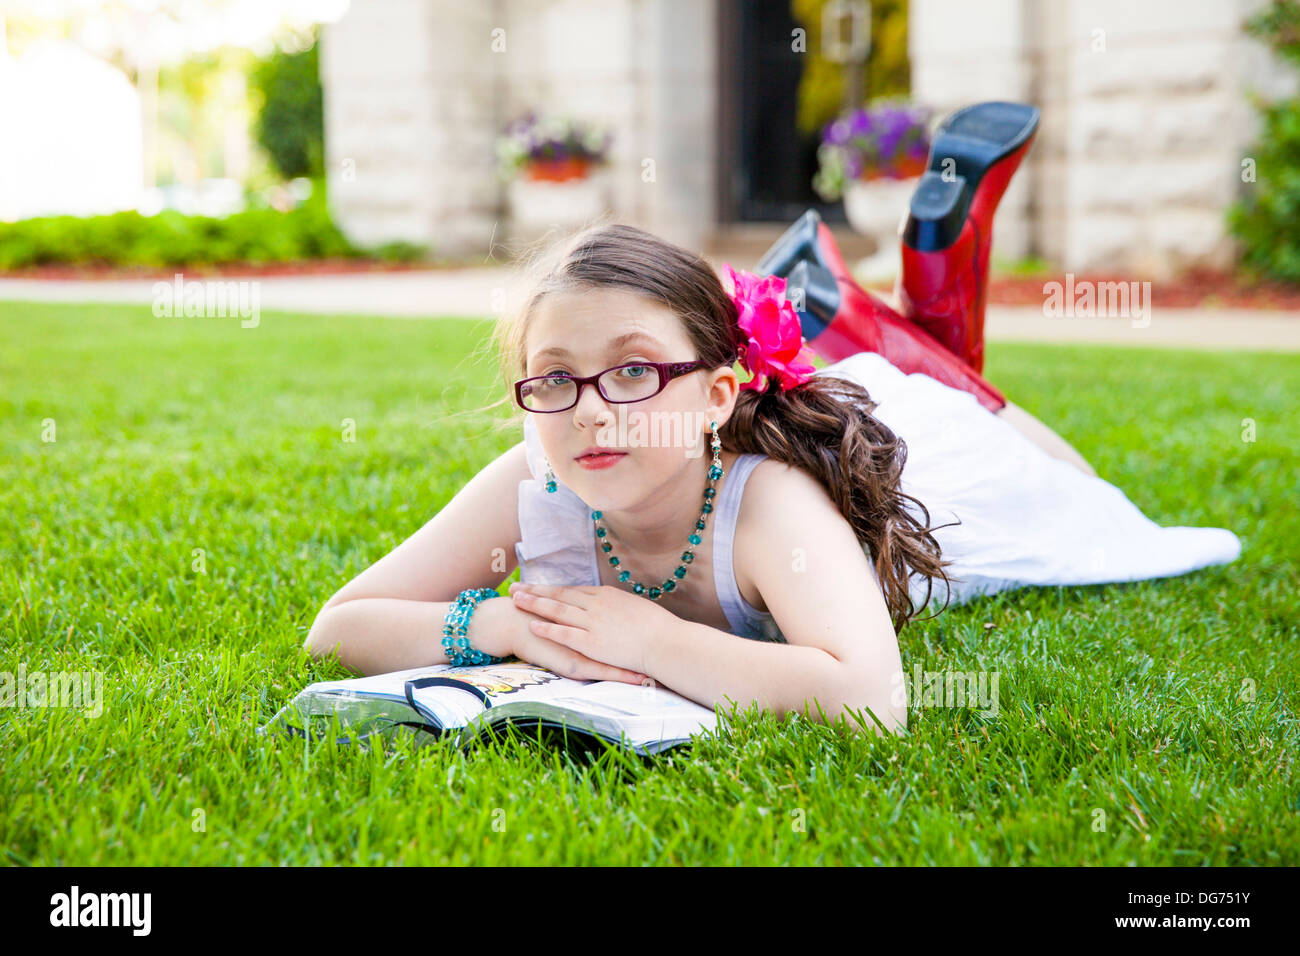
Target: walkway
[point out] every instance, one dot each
(486, 291)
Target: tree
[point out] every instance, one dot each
(290, 125)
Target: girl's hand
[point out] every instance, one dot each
(502, 629)
(602, 623)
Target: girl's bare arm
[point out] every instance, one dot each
(389, 617)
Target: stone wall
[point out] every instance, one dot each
(1145, 115)
(962, 53)
(417, 90)
(1145, 120)
(410, 113)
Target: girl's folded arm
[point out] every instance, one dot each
(841, 649)
(389, 616)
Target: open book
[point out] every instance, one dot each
(460, 703)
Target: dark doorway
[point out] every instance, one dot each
(765, 166)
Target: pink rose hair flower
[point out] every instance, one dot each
(775, 348)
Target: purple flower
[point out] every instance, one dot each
(536, 138)
(837, 133)
(860, 123)
(879, 140)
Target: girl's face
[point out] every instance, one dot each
(664, 439)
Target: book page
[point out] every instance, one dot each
(392, 684)
(649, 718)
(629, 700)
(514, 688)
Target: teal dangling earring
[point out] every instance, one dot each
(550, 479)
(716, 471)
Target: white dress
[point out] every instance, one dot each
(1026, 518)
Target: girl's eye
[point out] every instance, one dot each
(635, 371)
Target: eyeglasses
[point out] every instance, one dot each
(634, 382)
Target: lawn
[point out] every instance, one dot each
(199, 502)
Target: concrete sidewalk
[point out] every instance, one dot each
(435, 293)
(1171, 328)
(491, 290)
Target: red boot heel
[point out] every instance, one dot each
(948, 233)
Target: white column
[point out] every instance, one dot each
(410, 121)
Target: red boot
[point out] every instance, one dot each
(840, 319)
(948, 234)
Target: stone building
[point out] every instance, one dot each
(1146, 121)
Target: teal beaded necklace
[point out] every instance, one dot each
(688, 556)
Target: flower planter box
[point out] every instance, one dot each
(871, 158)
(876, 208)
(556, 170)
(542, 198)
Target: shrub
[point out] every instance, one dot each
(1267, 219)
(171, 238)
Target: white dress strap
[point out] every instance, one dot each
(745, 619)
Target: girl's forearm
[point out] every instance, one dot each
(708, 666)
(379, 635)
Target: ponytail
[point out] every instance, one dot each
(825, 426)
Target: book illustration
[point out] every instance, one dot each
(498, 680)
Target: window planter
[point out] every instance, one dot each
(545, 195)
(876, 208)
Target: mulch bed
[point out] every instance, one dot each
(1193, 290)
(1196, 289)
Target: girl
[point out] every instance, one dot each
(757, 541)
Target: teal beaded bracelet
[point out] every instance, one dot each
(456, 624)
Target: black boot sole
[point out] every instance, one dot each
(815, 294)
(797, 244)
(966, 145)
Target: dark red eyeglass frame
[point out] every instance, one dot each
(667, 372)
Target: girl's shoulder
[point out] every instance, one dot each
(774, 484)
(777, 500)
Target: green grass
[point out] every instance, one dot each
(182, 434)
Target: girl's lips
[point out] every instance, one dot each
(592, 462)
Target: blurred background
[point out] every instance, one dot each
(139, 135)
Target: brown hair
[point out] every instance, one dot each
(824, 426)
